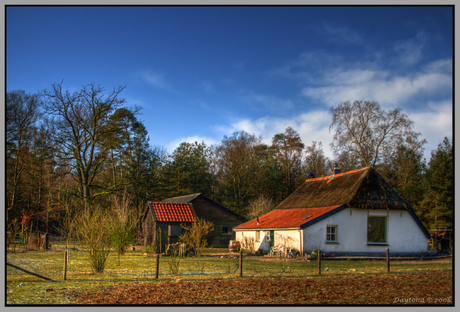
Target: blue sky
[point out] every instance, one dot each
(201, 73)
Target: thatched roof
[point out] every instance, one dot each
(363, 188)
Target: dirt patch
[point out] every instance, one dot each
(374, 289)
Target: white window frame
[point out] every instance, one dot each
(329, 234)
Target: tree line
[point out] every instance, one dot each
(68, 152)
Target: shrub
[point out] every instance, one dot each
(149, 250)
(195, 235)
(93, 231)
(173, 262)
(247, 244)
(123, 225)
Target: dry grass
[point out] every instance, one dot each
(136, 268)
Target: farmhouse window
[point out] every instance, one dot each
(331, 233)
(377, 229)
(227, 230)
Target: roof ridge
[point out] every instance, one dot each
(338, 174)
(194, 194)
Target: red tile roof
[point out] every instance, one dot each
(286, 218)
(172, 212)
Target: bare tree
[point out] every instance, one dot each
(238, 170)
(82, 125)
(364, 129)
(316, 162)
(259, 206)
(288, 147)
(22, 112)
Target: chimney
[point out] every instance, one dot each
(335, 170)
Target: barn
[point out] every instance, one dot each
(351, 213)
(223, 218)
(162, 223)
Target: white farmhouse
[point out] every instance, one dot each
(351, 213)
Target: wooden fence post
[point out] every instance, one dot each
(241, 262)
(388, 259)
(65, 265)
(319, 261)
(157, 266)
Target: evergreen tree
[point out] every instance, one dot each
(405, 171)
(437, 204)
(187, 170)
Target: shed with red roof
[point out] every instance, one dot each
(165, 218)
(223, 218)
(351, 213)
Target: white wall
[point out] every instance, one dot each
(404, 235)
(287, 238)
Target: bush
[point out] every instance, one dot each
(247, 244)
(195, 235)
(173, 262)
(93, 231)
(123, 226)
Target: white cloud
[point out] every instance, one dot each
(409, 52)
(207, 86)
(266, 101)
(359, 84)
(311, 126)
(341, 34)
(307, 66)
(434, 122)
(154, 79)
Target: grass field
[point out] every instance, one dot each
(135, 267)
